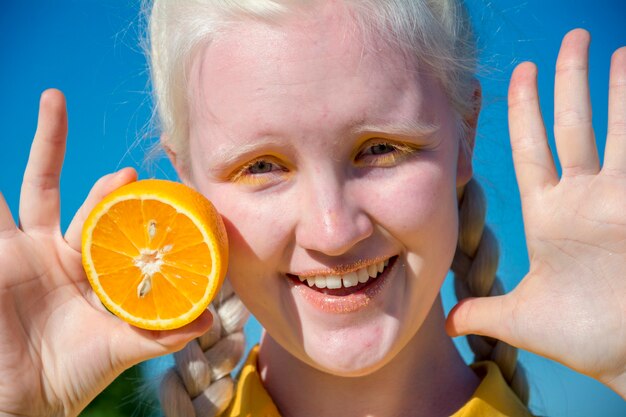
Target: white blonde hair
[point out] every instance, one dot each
(439, 34)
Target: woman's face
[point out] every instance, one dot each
(331, 161)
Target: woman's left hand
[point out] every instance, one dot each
(571, 306)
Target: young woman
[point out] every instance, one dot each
(335, 138)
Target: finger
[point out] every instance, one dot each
(101, 188)
(7, 225)
(573, 130)
(133, 345)
(485, 316)
(615, 152)
(534, 166)
(39, 199)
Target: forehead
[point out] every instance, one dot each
(305, 71)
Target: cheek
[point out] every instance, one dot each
(258, 234)
(417, 206)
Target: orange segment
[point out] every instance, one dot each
(155, 253)
(109, 235)
(189, 258)
(190, 284)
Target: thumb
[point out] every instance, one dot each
(485, 316)
(132, 345)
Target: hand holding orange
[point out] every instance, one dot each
(155, 253)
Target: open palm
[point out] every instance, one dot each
(571, 306)
(58, 346)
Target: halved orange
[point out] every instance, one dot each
(155, 253)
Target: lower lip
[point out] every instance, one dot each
(350, 302)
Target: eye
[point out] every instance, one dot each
(259, 171)
(261, 167)
(380, 149)
(383, 153)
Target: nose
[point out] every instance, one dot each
(332, 221)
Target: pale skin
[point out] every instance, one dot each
(588, 191)
(321, 202)
(572, 312)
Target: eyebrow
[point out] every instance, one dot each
(406, 127)
(227, 156)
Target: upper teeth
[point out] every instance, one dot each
(348, 280)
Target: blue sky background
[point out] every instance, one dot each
(90, 50)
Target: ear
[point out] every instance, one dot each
(177, 162)
(466, 148)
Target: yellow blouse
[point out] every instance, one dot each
(492, 398)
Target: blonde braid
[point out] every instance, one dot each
(200, 384)
(475, 264)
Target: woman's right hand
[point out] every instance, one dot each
(58, 346)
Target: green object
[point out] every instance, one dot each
(128, 395)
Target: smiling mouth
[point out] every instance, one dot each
(347, 283)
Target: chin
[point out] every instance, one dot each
(354, 351)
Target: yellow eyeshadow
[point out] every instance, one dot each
(400, 152)
(242, 176)
(249, 179)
